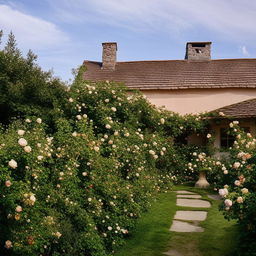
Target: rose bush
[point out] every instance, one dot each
(80, 164)
(80, 190)
(239, 191)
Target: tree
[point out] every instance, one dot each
(26, 90)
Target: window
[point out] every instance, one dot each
(227, 140)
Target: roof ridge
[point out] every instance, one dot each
(204, 61)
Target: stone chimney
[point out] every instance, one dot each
(109, 55)
(198, 51)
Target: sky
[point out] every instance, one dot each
(64, 33)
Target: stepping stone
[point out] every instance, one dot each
(190, 215)
(214, 197)
(181, 226)
(173, 253)
(184, 192)
(189, 196)
(192, 203)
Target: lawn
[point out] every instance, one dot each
(152, 236)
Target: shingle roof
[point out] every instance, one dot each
(178, 74)
(243, 109)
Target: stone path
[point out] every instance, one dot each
(193, 203)
(189, 220)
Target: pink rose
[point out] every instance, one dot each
(8, 183)
(228, 203)
(18, 208)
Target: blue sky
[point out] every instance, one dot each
(63, 33)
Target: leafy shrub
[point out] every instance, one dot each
(80, 164)
(239, 192)
(89, 182)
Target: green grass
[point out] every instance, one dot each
(152, 233)
(152, 236)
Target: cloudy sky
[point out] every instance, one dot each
(63, 33)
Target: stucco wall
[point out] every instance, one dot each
(198, 100)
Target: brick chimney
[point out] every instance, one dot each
(198, 51)
(109, 55)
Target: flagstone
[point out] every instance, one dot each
(191, 215)
(189, 196)
(193, 203)
(181, 226)
(184, 192)
(173, 253)
(214, 197)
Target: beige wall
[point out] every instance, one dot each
(198, 100)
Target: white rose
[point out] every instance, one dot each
(40, 158)
(162, 121)
(96, 149)
(39, 120)
(244, 190)
(208, 136)
(27, 149)
(79, 117)
(237, 183)
(151, 152)
(108, 126)
(240, 200)
(22, 142)
(13, 164)
(236, 165)
(32, 198)
(58, 234)
(70, 100)
(113, 109)
(110, 228)
(8, 244)
(223, 192)
(21, 132)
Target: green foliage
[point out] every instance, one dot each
(236, 177)
(80, 164)
(25, 89)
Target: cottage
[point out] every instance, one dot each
(193, 85)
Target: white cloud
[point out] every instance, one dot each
(231, 19)
(244, 50)
(30, 32)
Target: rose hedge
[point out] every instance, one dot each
(80, 190)
(78, 166)
(236, 181)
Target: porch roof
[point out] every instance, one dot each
(243, 109)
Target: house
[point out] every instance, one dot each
(193, 85)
